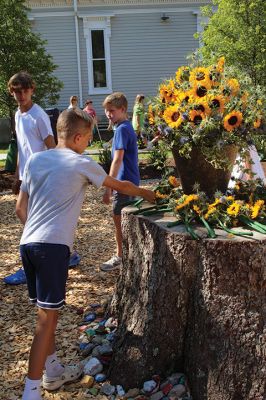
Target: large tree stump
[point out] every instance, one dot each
(191, 306)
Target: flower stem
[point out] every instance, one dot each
(190, 230)
(141, 210)
(157, 211)
(211, 232)
(236, 233)
(138, 202)
(252, 224)
(174, 223)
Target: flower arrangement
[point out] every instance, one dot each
(244, 206)
(207, 108)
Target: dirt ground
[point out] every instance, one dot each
(86, 284)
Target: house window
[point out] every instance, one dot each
(98, 59)
(97, 33)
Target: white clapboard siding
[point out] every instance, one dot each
(144, 50)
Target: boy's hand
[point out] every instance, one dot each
(107, 196)
(148, 195)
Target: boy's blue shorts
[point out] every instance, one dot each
(120, 201)
(46, 269)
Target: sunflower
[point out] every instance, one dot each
(234, 209)
(183, 97)
(232, 120)
(214, 76)
(173, 181)
(256, 208)
(167, 93)
(244, 99)
(200, 75)
(200, 90)
(197, 209)
(182, 74)
(172, 116)
(196, 116)
(220, 64)
(211, 210)
(202, 105)
(231, 88)
(160, 195)
(186, 199)
(151, 115)
(217, 103)
(257, 123)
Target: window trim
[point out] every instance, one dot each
(103, 23)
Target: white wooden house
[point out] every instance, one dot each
(101, 46)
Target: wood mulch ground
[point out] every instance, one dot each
(86, 284)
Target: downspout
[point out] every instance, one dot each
(75, 5)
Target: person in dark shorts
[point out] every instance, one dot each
(49, 203)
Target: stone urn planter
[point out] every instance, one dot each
(197, 170)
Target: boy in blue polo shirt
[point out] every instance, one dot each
(124, 166)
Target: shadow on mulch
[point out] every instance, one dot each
(6, 180)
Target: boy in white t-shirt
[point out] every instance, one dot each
(48, 236)
(34, 133)
(33, 128)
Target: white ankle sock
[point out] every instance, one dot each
(32, 390)
(53, 366)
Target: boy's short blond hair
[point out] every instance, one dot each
(116, 99)
(73, 121)
(21, 80)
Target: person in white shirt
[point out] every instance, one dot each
(49, 203)
(33, 132)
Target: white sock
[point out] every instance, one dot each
(32, 390)
(53, 366)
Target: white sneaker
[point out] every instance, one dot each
(112, 264)
(70, 374)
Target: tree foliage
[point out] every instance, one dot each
(23, 50)
(237, 30)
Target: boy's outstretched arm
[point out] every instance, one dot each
(129, 188)
(114, 169)
(22, 206)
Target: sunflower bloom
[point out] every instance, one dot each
(200, 90)
(217, 103)
(197, 209)
(256, 208)
(232, 120)
(234, 209)
(172, 117)
(160, 195)
(231, 88)
(211, 210)
(167, 93)
(202, 105)
(196, 117)
(183, 98)
(182, 74)
(220, 64)
(173, 181)
(257, 123)
(186, 200)
(200, 75)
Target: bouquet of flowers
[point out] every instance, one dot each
(207, 108)
(244, 206)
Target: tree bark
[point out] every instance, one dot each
(191, 306)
